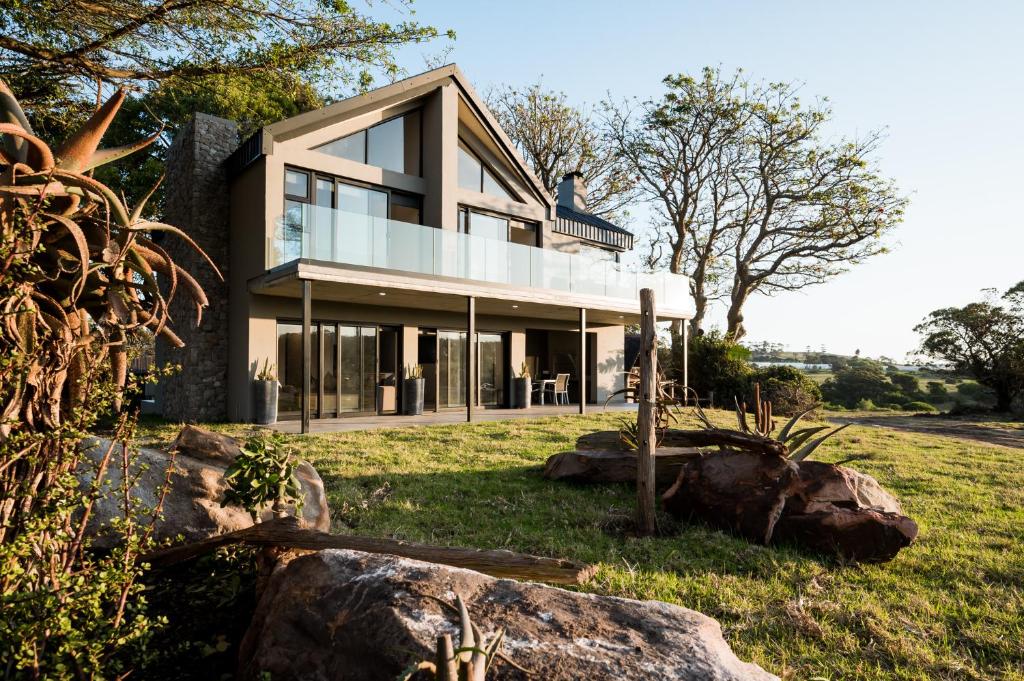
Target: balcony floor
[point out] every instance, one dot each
(454, 416)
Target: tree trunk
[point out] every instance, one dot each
(734, 318)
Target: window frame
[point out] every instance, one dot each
(366, 142)
(509, 219)
(314, 175)
(485, 168)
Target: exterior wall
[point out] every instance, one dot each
(197, 202)
(248, 257)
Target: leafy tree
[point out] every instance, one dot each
(753, 197)
(557, 138)
(136, 43)
(861, 381)
(984, 340)
(682, 150)
(788, 389)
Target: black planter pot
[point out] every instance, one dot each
(522, 389)
(412, 396)
(264, 402)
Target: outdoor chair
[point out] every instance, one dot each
(560, 388)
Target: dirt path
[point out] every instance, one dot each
(1007, 434)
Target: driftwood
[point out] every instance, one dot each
(646, 419)
(673, 438)
(596, 465)
(288, 533)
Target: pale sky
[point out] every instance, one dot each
(943, 78)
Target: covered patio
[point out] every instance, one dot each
(377, 422)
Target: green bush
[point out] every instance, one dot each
(937, 391)
(919, 406)
(718, 365)
(865, 405)
(894, 397)
(864, 380)
(788, 389)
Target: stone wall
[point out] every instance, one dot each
(196, 200)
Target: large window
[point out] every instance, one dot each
(497, 227)
(477, 177)
(392, 145)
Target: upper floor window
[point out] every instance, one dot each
(392, 145)
(497, 227)
(477, 177)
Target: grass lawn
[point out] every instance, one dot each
(949, 607)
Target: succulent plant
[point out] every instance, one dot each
(799, 443)
(469, 662)
(85, 266)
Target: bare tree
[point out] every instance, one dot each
(557, 138)
(683, 150)
(807, 209)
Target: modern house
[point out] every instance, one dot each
(395, 228)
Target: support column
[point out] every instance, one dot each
(470, 357)
(307, 352)
(583, 360)
(686, 363)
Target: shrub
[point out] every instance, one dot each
(866, 405)
(719, 366)
(937, 391)
(862, 381)
(907, 384)
(919, 406)
(788, 389)
(894, 397)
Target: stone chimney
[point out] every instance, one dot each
(196, 200)
(572, 192)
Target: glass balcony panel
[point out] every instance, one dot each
(353, 238)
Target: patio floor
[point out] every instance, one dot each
(373, 421)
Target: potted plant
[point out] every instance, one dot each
(264, 394)
(413, 388)
(523, 387)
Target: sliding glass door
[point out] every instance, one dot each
(491, 353)
(451, 367)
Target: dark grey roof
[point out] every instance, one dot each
(592, 228)
(587, 218)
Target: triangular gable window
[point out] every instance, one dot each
(477, 177)
(392, 145)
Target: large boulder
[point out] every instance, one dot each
(341, 614)
(192, 508)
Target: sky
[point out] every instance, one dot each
(945, 80)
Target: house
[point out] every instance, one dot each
(382, 232)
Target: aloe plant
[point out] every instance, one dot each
(799, 443)
(469, 662)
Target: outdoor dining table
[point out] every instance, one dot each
(542, 383)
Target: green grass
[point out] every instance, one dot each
(949, 607)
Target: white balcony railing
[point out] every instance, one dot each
(318, 233)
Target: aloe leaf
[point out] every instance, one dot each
(807, 449)
(784, 433)
(466, 639)
(28, 141)
(801, 436)
(76, 154)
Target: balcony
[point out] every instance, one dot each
(327, 235)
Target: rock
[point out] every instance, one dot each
(740, 491)
(863, 535)
(770, 499)
(594, 465)
(341, 614)
(192, 508)
(822, 485)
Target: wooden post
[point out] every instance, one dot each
(647, 414)
(470, 357)
(307, 352)
(686, 363)
(583, 360)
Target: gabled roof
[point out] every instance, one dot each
(575, 223)
(413, 86)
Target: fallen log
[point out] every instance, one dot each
(856, 534)
(674, 438)
(596, 465)
(288, 533)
